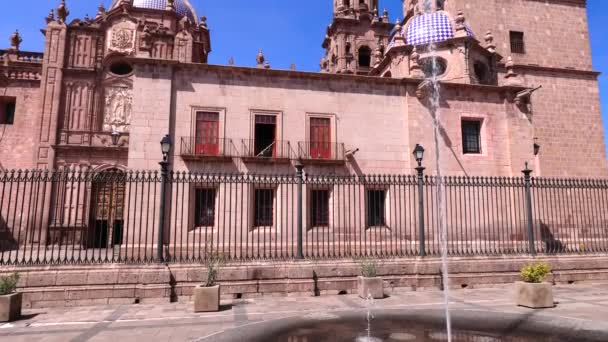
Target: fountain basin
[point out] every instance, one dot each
(417, 325)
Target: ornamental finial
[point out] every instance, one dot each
(16, 40)
(62, 12)
(50, 17)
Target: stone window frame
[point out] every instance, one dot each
(484, 121)
(333, 122)
(222, 120)
(517, 47)
(307, 203)
(387, 205)
(203, 184)
(275, 188)
(279, 125)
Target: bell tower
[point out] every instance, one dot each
(358, 30)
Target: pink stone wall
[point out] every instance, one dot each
(19, 142)
(555, 32)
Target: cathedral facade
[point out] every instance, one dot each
(516, 85)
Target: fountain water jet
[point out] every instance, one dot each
(434, 106)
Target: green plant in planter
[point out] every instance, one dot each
(369, 268)
(213, 268)
(8, 284)
(535, 273)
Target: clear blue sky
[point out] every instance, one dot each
(288, 31)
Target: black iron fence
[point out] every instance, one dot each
(75, 216)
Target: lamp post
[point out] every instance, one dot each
(419, 156)
(115, 138)
(300, 176)
(530, 225)
(165, 147)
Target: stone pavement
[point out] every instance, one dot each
(585, 304)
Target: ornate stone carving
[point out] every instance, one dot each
(122, 40)
(118, 104)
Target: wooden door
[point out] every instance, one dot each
(320, 138)
(207, 134)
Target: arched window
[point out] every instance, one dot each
(365, 57)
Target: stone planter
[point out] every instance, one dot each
(370, 286)
(10, 307)
(207, 299)
(534, 295)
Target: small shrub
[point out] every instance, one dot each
(213, 269)
(535, 273)
(369, 268)
(8, 284)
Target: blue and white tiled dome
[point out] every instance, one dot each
(430, 28)
(182, 7)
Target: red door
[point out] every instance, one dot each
(207, 134)
(320, 138)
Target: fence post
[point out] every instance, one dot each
(528, 184)
(421, 238)
(161, 223)
(300, 176)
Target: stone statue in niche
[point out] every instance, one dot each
(118, 103)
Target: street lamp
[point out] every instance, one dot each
(165, 147)
(115, 138)
(419, 154)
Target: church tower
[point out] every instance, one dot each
(358, 29)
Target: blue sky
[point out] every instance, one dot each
(288, 31)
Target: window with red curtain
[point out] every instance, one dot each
(207, 133)
(320, 138)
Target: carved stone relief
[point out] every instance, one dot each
(122, 38)
(118, 104)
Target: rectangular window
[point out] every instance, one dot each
(7, 110)
(471, 137)
(204, 207)
(263, 204)
(517, 42)
(207, 133)
(265, 135)
(376, 208)
(320, 138)
(319, 208)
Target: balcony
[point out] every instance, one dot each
(207, 149)
(321, 152)
(272, 151)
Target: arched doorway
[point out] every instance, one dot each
(106, 222)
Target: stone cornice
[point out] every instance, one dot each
(530, 67)
(316, 75)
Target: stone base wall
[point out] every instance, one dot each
(54, 286)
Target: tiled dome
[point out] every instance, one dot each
(430, 28)
(183, 7)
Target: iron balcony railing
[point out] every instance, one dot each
(194, 148)
(321, 151)
(81, 216)
(270, 150)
